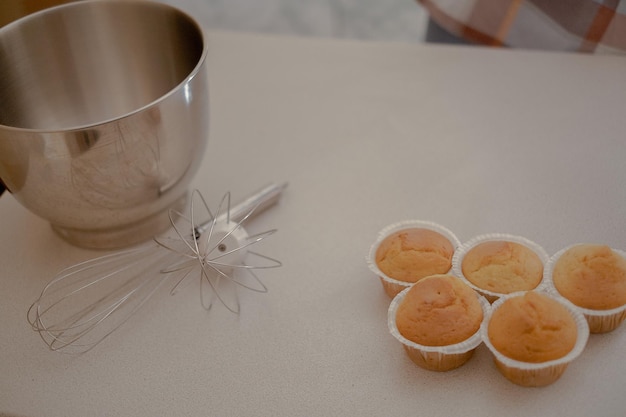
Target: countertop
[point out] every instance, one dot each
(367, 134)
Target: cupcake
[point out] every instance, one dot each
(438, 321)
(592, 277)
(406, 252)
(534, 336)
(500, 264)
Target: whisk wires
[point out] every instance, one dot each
(87, 302)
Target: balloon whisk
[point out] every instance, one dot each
(86, 302)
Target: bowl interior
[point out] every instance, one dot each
(88, 62)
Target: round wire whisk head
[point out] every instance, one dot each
(88, 301)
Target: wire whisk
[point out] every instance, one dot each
(84, 303)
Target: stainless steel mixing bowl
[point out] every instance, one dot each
(103, 116)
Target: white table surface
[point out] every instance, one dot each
(366, 134)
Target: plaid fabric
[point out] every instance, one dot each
(593, 26)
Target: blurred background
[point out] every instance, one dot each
(378, 20)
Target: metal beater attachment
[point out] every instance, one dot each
(86, 302)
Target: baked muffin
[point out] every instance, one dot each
(591, 276)
(502, 267)
(534, 336)
(439, 310)
(532, 328)
(414, 253)
(438, 320)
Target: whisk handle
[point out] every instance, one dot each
(262, 199)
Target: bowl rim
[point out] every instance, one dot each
(199, 66)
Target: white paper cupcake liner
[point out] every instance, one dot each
(543, 373)
(436, 358)
(393, 286)
(600, 321)
(459, 255)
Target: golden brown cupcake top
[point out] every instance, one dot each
(439, 310)
(532, 328)
(591, 276)
(502, 267)
(411, 254)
